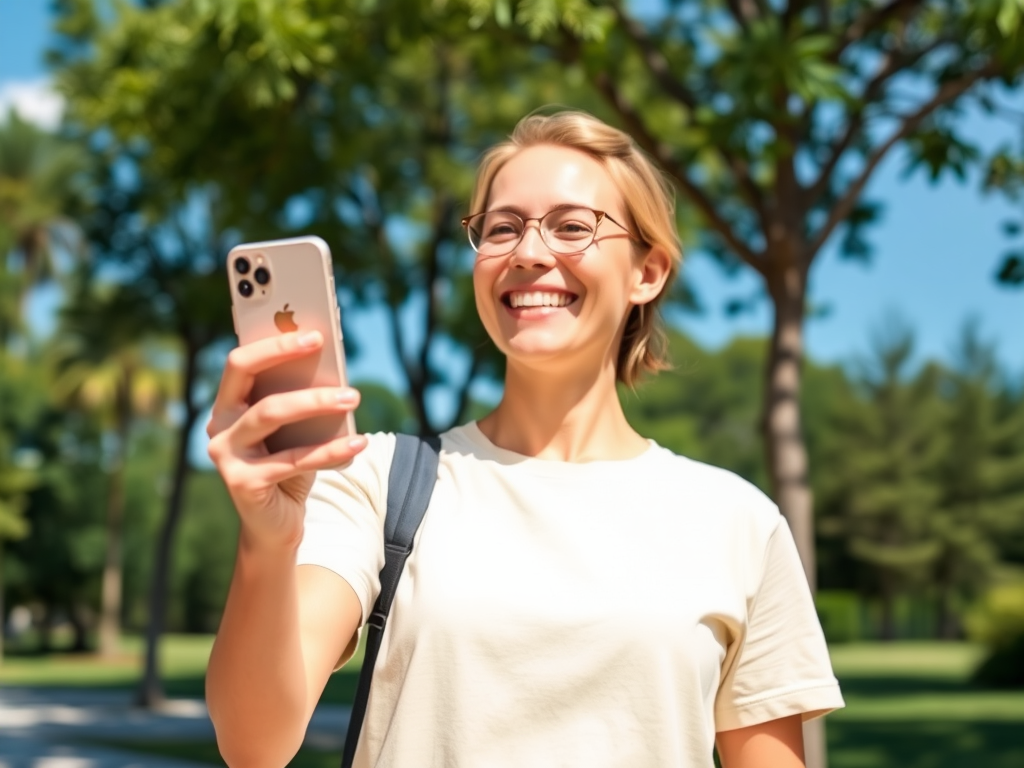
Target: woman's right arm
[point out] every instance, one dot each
(284, 627)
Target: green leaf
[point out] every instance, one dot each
(1009, 16)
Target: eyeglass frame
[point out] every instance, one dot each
(600, 215)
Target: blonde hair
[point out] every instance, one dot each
(650, 206)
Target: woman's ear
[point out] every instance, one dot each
(651, 272)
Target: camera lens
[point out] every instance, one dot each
(245, 288)
(242, 265)
(262, 275)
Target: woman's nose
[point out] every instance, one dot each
(532, 250)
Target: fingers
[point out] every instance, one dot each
(284, 465)
(274, 411)
(245, 434)
(251, 481)
(246, 361)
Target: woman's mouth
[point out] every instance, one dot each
(531, 299)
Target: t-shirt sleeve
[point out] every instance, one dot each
(344, 523)
(780, 666)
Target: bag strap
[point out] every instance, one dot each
(410, 485)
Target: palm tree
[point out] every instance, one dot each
(40, 193)
(108, 361)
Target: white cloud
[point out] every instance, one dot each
(34, 100)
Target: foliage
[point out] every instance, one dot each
(318, 116)
(40, 194)
(705, 407)
(982, 475)
(879, 469)
(997, 621)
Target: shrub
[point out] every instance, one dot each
(998, 622)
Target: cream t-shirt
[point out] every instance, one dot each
(612, 613)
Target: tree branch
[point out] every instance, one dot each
(660, 70)
(463, 397)
(738, 10)
(892, 65)
(875, 19)
(654, 59)
(949, 92)
(663, 154)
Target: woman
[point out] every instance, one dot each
(577, 596)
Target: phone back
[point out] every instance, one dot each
(288, 285)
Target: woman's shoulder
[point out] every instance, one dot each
(731, 496)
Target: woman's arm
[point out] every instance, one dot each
(283, 630)
(284, 627)
(775, 744)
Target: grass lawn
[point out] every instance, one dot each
(183, 663)
(909, 705)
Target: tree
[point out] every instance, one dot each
(39, 195)
(983, 496)
(16, 479)
(880, 468)
(106, 363)
(359, 125)
(37, 192)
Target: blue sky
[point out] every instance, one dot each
(937, 248)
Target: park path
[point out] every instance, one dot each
(53, 727)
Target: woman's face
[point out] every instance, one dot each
(545, 309)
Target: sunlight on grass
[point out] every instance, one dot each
(181, 656)
(906, 659)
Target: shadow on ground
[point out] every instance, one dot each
(925, 744)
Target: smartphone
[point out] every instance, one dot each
(288, 285)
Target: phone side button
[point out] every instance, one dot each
(234, 320)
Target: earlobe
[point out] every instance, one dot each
(652, 272)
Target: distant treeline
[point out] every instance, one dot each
(918, 473)
(917, 470)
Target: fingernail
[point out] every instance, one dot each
(345, 395)
(357, 442)
(309, 339)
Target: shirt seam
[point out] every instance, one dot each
(834, 684)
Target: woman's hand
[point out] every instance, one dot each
(270, 489)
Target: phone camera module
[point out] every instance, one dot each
(245, 288)
(262, 275)
(242, 265)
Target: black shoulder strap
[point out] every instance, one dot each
(410, 485)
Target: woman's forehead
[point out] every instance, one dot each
(539, 178)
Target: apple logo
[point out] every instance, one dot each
(283, 320)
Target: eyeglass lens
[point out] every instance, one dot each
(564, 230)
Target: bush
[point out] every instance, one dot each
(840, 613)
(998, 622)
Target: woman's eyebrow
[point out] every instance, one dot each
(522, 212)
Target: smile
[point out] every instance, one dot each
(517, 299)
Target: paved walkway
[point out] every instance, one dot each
(52, 727)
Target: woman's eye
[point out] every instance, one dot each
(502, 230)
(571, 228)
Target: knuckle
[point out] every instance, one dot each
(266, 412)
(236, 358)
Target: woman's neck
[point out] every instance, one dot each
(562, 417)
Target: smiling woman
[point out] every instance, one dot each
(577, 595)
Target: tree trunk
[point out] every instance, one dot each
(3, 619)
(783, 435)
(150, 693)
(111, 595)
(784, 443)
(888, 612)
(80, 621)
(948, 624)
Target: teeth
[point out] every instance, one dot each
(539, 299)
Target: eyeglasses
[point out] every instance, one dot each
(565, 231)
